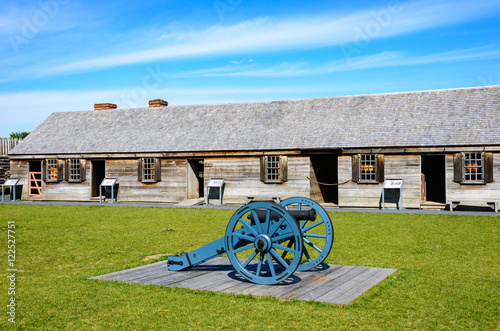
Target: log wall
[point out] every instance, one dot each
(406, 167)
(6, 144)
(457, 191)
(4, 168)
(62, 191)
(242, 175)
(171, 188)
(242, 178)
(19, 169)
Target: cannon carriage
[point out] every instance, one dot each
(267, 242)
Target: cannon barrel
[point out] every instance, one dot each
(299, 215)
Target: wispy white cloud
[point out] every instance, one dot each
(26, 19)
(399, 59)
(380, 60)
(268, 35)
(241, 61)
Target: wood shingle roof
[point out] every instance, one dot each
(453, 117)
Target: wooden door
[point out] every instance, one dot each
(195, 179)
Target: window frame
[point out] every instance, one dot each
(473, 166)
(368, 168)
(148, 169)
(48, 168)
(72, 171)
(143, 175)
(460, 167)
(279, 168)
(378, 172)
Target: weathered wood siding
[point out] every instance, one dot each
(6, 144)
(171, 188)
(19, 169)
(457, 191)
(4, 168)
(314, 188)
(242, 178)
(68, 191)
(242, 175)
(62, 191)
(406, 167)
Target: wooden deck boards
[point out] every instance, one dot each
(327, 283)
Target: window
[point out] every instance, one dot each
(473, 168)
(75, 170)
(149, 170)
(52, 170)
(368, 168)
(368, 165)
(274, 169)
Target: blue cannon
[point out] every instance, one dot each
(267, 242)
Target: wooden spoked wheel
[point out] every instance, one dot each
(264, 243)
(318, 235)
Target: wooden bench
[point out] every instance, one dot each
(249, 199)
(454, 203)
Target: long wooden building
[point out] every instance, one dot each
(444, 144)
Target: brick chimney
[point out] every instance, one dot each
(104, 106)
(157, 103)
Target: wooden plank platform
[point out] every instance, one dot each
(331, 283)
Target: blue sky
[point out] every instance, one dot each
(66, 55)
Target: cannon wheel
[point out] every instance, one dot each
(256, 250)
(318, 235)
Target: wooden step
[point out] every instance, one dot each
(431, 205)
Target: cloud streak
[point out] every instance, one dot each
(380, 60)
(271, 35)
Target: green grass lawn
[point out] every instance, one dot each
(449, 272)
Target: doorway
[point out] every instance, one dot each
(195, 179)
(325, 170)
(434, 178)
(98, 174)
(35, 178)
